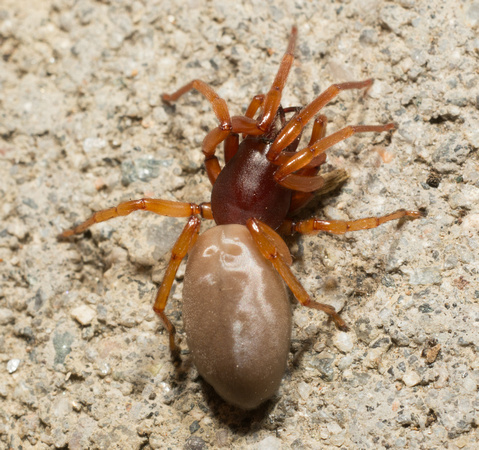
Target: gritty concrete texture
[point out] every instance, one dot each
(84, 361)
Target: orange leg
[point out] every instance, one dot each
(319, 131)
(332, 180)
(313, 226)
(161, 207)
(273, 97)
(239, 124)
(301, 198)
(302, 183)
(307, 154)
(292, 130)
(254, 105)
(305, 180)
(235, 124)
(219, 105)
(260, 233)
(215, 136)
(184, 243)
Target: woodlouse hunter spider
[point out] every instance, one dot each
(236, 310)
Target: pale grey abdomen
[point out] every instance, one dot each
(237, 316)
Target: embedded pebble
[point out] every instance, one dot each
(471, 222)
(469, 385)
(269, 443)
(6, 316)
(334, 428)
(304, 390)
(345, 363)
(343, 341)
(18, 229)
(13, 364)
(93, 144)
(144, 169)
(84, 314)
(411, 378)
(426, 275)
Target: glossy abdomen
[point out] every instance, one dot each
(237, 316)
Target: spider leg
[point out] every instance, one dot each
(255, 104)
(158, 206)
(184, 243)
(302, 183)
(307, 154)
(306, 179)
(215, 136)
(314, 225)
(331, 179)
(319, 129)
(273, 97)
(235, 124)
(261, 234)
(298, 198)
(292, 130)
(253, 107)
(218, 104)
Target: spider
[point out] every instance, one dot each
(236, 309)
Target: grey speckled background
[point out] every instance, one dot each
(83, 359)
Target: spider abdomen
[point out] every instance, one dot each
(246, 188)
(237, 316)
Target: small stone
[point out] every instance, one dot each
(471, 222)
(395, 18)
(143, 169)
(195, 443)
(104, 369)
(304, 390)
(345, 363)
(269, 443)
(462, 441)
(426, 275)
(469, 385)
(368, 36)
(24, 393)
(343, 342)
(12, 365)
(127, 320)
(6, 316)
(373, 357)
(324, 367)
(61, 407)
(450, 263)
(83, 314)
(62, 344)
(222, 438)
(17, 229)
(411, 379)
(431, 353)
(92, 144)
(334, 428)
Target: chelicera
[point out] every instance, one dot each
(236, 310)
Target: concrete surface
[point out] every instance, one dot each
(84, 360)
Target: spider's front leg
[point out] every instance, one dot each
(186, 240)
(228, 125)
(157, 206)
